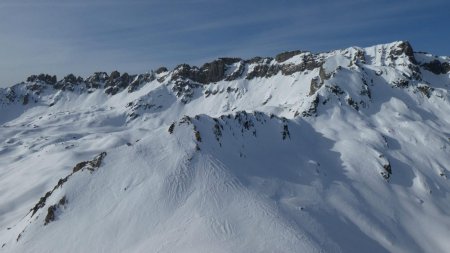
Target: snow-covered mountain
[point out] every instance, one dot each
(343, 151)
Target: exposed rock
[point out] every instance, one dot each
(401, 83)
(79, 166)
(365, 91)
(437, 67)
(68, 82)
(404, 48)
(415, 72)
(312, 111)
(19, 236)
(210, 72)
(139, 80)
(289, 69)
(184, 89)
(62, 201)
(25, 99)
(286, 55)
(11, 95)
(51, 211)
(185, 120)
(117, 82)
(217, 130)
(112, 90)
(123, 80)
(215, 70)
(285, 133)
(230, 60)
(359, 56)
(50, 214)
(48, 79)
(140, 105)
(314, 86)
(115, 74)
(161, 70)
(72, 79)
(184, 71)
(36, 87)
(318, 81)
(171, 128)
(197, 136)
(352, 103)
(256, 59)
(263, 70)
(323, 76)
(387, 171)
(309, 62)
(41, 203)
(237, 73)
(97, 80)
(336, 90)
(89, 165)
(425, 90)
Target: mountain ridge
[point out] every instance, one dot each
(215, 71)
(342, 151)
(185, 81)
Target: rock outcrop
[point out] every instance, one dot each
(437, 67)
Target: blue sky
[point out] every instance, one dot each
(83, 36)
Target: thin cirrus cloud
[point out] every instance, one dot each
(62, 36)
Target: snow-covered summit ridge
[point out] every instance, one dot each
(299, 79)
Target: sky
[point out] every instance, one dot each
(135, 36)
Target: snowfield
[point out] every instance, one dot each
(344, 151)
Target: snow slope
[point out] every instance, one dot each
(344, 151)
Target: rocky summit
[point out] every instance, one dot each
(341, 151)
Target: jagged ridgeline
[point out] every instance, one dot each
(314, 78)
